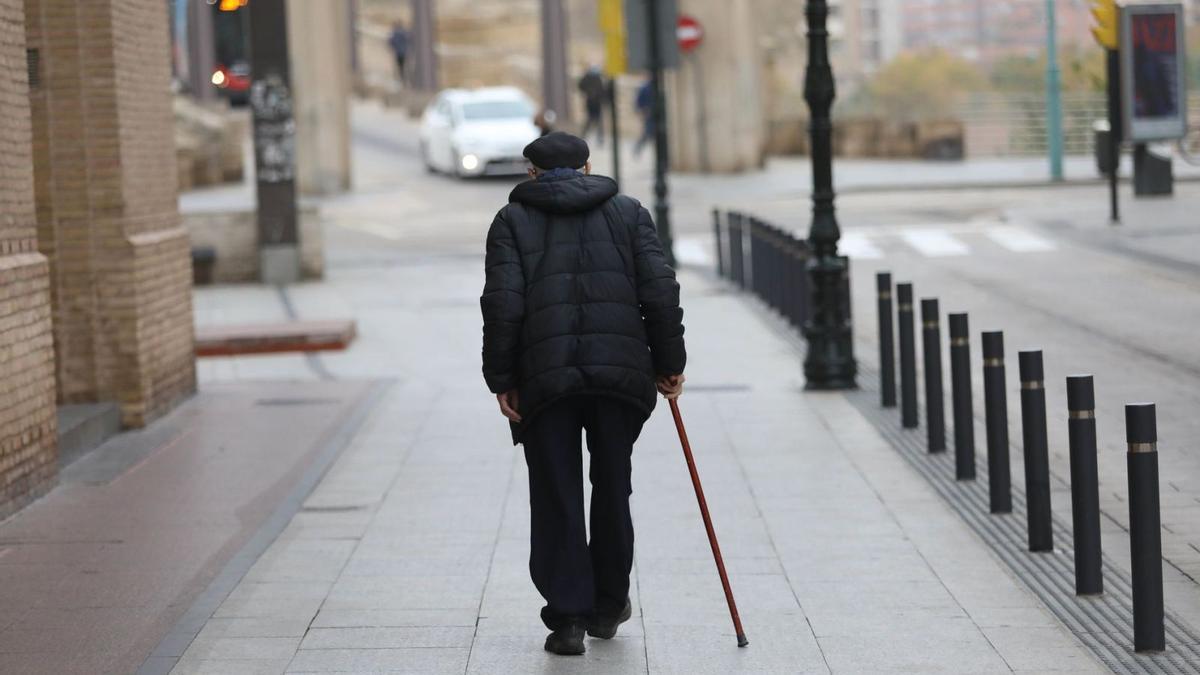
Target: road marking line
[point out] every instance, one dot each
(1020, 240)
(934, 243)
(858, 245)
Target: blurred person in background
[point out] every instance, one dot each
(592, 86)
(398, 43)
(581, 328)
(644, 104)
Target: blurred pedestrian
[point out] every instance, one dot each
(594, 90)
(644, 104)
(398, 42)
(581, 328)
(545, 120)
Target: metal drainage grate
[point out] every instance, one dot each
(1104, 623)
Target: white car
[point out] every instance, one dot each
(478, 132)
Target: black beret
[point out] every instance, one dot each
(558, 150)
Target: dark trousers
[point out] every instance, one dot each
(575, 576)
(595, 122)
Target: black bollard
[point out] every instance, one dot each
(960, 394)
(887, 347)
(935, 399)
(737, 260)
(717, 242)
(1037, 451)
(1145, 536)
(908, 357)
(1085, 487)
(995, 405)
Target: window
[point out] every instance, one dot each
(492, 110)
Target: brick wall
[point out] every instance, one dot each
(28, 450)
(105, 185)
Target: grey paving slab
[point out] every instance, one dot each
(415, 661)
(405, 637)
(500, 654)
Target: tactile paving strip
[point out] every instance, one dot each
(1104, 623)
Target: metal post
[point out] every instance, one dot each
(1085, 484)
(555, 89)
(737, 259)
(662, 156)
(616, 131)
(1037, 453)
(756, 270)
(1145, 536)
(829, 363)
(274, 143)
(935, 400)
(1054, 131)
(995, 404)
(802, 291)
(717, 240)
(960, 386)
(908, 357)
(887, 347)
(1115, 132)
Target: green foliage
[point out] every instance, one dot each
(1080, 70)
(920, 85)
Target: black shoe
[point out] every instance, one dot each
(605, 626)
(566, 641)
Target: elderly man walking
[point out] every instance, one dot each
(581, 328)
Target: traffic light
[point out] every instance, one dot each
(1107, 18)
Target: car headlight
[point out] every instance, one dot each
(470, 162)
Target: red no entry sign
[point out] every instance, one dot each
(689, 32)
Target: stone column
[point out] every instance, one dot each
(321, 85)
(28, 447)
(107, 204)
(715, 96)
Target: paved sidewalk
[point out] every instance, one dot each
(410, 555)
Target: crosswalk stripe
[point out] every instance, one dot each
(1019, 239)
(858, 245)
(934, 243)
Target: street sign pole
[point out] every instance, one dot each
(1115, 133)
(612, 25)
(274, 143)
(662, 209)
(1054, 131)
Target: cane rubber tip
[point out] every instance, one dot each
(742, 641)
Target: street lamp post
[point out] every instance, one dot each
(830, 363)
(662, 209)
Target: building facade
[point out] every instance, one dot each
(96, 288)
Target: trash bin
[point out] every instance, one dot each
(204, 262)
(1153, 173)
(1104, 154)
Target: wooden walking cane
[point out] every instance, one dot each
(712, 536)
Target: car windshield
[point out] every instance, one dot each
(492, 110)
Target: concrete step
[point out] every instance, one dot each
(83, 427)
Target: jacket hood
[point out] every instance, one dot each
(571, 195)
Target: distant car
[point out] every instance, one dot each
(233, 81)
(478, 132)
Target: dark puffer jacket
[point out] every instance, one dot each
(579, 298)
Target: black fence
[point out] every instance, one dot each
(766, 260)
